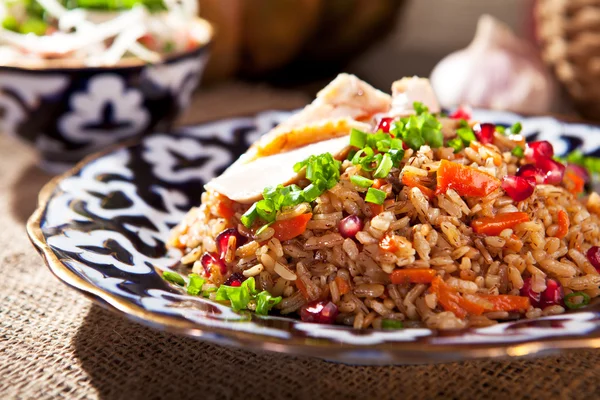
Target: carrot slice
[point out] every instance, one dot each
(466, 181)
(412, 275)
(287, 229)
(411, 180)
(573, 182)
(376, 209)
(342, 285)
(302, 288)
(563, 224)
(506, 302)
(378, 183)
(492, 226)
(390, 243)
(451, 300)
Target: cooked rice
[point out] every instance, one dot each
(431, 234)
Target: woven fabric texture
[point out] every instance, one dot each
(54, 343)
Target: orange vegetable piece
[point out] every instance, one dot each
(343, 285)
(492, 226)
(451, 300)
(412, 275)
(378, 183)
(466, 181)
(376, 209)
(287, 229)
(411, 180)
(563, 224)
(574, 183)
(224, 207)
(506, 302)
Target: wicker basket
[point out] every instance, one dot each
(569, 34)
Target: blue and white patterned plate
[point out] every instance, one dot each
(102, 226)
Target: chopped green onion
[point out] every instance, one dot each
(397, 155)
(265, 302)
(501, 129)
(518, 152)
(456, 144)
(375, 196)
(384, 166)
(195, 285)
(572, 305)
(391, 324)
(173, 277)
(466, 134)
(249, 216)
(239, 296)
(516, 128)
(420, 108)
(351, 155)
(358, 138)
(33, 25)
(361, 181)
(592, 164)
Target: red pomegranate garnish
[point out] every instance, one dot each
(321, 312)
(223, 239)
(462, 112)
(553, 295)
(350, 226)
(385, 124)
(210, 261)
(554, 171)
(532, 173)
(593, 255)
(537, 150)
(235, 280)
(517, 187)
(485, 133)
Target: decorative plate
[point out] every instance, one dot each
(101, 229)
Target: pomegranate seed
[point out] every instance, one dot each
(593, 255)
(485, 134)
(553, 295)
(350, 226)
(462, 112)
(235, 280)
(385, 124)
(222, 240)
(527, 291)
(531, 173)
(517, 187)
(580, 171)
(321, 312)
(539, 149)
(554, 171)
(210, 261)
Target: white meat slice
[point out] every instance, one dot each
(245, 182)
(408, 90)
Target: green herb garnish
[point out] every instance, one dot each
(195, 286)
(324, 173)
(384, 166)
(572, 305)
(358, 138)
(391, 324)
(501, 129)
(456, 144)
(375, 196)
(361, 181)
(592, 164)
(516, 128)
(173, 277)
(420, 129)
(241, 296)
(518, 152)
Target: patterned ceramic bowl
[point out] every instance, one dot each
(68, 110)
(102, 226)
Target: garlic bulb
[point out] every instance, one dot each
(497, 70)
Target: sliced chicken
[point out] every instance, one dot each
(347, 102)
(245, 182)
(408, 90)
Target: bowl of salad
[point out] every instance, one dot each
(79, 75)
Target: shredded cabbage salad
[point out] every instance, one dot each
(97, 32)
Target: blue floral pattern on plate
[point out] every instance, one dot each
(102, 228)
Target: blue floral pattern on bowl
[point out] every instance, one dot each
(102, 227)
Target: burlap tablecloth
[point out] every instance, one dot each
(56, 343)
